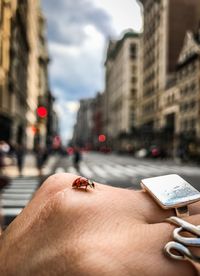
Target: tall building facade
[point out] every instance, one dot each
(89, 123)
(38, 129)
(82, 135)
(165, 25)
(43, 83)
(6, 10)
(19, 71)
(122, 85)
(188, 82)
(24, 84)
(14, 51)
(33, 70)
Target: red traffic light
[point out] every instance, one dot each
(102, 138)
(42, 111)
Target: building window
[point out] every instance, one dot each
(133, 51)
(185, 125)
(192, 104)
(193, 124)
(193, 86)
(193, 67)
(133, 80)
(186, 90)
(182, 126)
(184, 107)
(134, 69)
(133, 92)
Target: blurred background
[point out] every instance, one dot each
(110, 91)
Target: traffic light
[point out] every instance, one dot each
(42, 112)
(102, 138)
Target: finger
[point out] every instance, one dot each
(151, 212)
(170, 266)
(142, 206)
(195, 221)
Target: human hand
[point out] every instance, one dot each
(106, 231)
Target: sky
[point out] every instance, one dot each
(78, 32)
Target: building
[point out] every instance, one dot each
(19, 52)
(181, 101)
(123, 82)
(6, 9)
(82, 135)
(44, 95)
(165, 26)
(24, 84)
(98, 121)
(170, 116)
(33, 70)
(5, 33)
(52, 122)
(90, 123)
(188, 82)
(38, 128)
(14, 51)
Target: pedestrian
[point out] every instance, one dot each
(77, 158)
(4, 150)
(19, 151)
(41, 155)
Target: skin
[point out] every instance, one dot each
(101, 231)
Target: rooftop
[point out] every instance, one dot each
(115, 45)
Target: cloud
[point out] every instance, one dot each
(77, 71)
(78, 31)
(72, 107)
(67, 19)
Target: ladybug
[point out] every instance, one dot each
(83, 182)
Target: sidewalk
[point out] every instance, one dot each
(30, 168)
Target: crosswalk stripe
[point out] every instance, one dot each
(85, 171)
(11, 211)
(112, 170)
(153, 169)
(190, 171)
(138, 170)
(72, 170)
(21, 181)
(60, 170)
(125, 170)
(13, 188)
(14, 202)
(21, 187)
(109, 170)
(100, 172)
(133, 171)
(16, 196)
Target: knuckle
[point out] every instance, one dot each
(55, 206)
(56, 183)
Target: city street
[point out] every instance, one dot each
(112, 169)
(125, 171)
